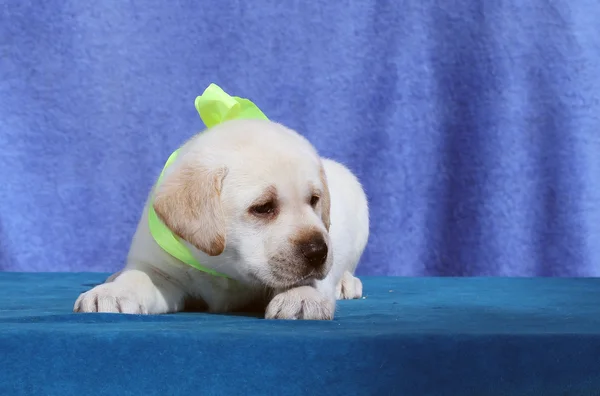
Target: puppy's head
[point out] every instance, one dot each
(255, 194)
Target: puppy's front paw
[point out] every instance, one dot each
(110, 297)
(303, 302)
(349, 287)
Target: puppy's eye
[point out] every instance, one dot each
(314, 200)
(264, 209)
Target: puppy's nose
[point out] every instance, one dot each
(315, 251)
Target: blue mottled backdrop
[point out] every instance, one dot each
(474, 125)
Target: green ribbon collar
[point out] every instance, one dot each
(214, 106)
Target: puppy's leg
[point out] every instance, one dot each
(349, 287)
(133, 291)
(113, 277)
(304, 302)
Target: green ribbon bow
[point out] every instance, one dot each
(214, 106)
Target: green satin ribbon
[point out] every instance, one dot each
(214, 106)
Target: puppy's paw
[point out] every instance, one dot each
(110, 298)
(302, 302)
(349, 287)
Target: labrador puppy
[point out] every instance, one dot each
(253, 201)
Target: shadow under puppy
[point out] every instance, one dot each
(269, 221)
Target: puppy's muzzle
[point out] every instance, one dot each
(314, 251)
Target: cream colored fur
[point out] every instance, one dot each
(211, 197)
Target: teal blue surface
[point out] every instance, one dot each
(408, 336)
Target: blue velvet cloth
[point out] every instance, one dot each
(473, 124)
(408, 336)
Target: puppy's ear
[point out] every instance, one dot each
(325, 200)
(188, 202)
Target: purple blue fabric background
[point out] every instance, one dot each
(474, 125)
